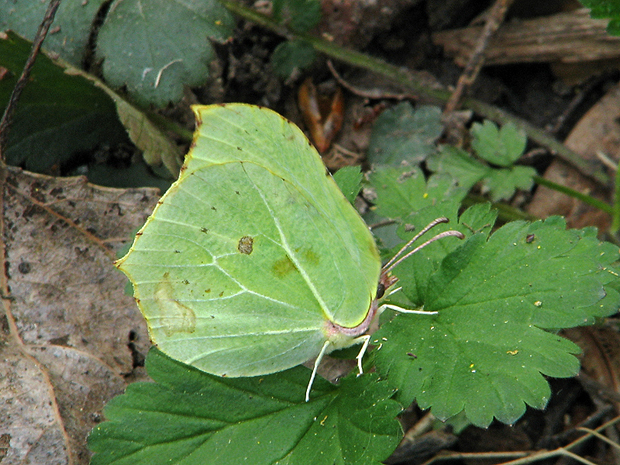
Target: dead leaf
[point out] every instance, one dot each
(597, 131)
(67, 326)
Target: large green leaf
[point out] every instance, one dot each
(70, 31)
(498, 302)
(59, 114)
(400, 192)
(155, 47)
(189, 417)
(403, 133)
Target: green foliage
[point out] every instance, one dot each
(65, 111)
(500, 296)
(295, 55)
(59, 114)
(404, 134)
(152, 48)
(188, 416)
(499, 300)
(499, 147)
(605, 9)
(349, 180)
(399, 193)
(72, 24)
(291, 56)
(299, 15)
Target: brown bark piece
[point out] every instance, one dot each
(571, 37)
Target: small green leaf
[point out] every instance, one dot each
(71, 29)
(403, 133)
(59, 114)
(502, 183)
(498, 301)
(291, 56)
(190, 417)
(349, 180)
(605, 9)
(501, 147)
(460, 165)
(299, 15)
(400, 193)
(156, 48)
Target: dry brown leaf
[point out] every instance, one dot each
(597, 131)
(600, 360)
(66, 330)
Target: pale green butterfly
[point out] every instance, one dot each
(253, 261)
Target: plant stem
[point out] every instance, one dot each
(11, 106)
(410, 81)
(575, 194)
(615, 215)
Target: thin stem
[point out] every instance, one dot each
(416, 85)
(575, 194)
(615, 215)
(495, 18)
(9, 111)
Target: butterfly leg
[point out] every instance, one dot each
(366, 340)
(317, 362)
(405, 310)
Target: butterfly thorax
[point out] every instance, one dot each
(342, 336)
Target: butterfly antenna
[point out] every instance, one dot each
(431, 225)
(397, 259)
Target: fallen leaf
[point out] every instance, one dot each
(68, 330)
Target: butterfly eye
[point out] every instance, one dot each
(380, 290)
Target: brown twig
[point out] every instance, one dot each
(9, 111)
(495, 17)
(370, 94)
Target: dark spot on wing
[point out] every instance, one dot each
(245, 245)
(283, 267)
(310, 257)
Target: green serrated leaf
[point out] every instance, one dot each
(415, 270)
(404, 134)
(605, 9)
(401, 192)
(460, 165)
(190, 417)
(349, 180)
(156, 48)
(501, 147)
(70, 31)
(291, 56)
(502, 183)
(59, 113)
(299, 15)
(485, 350)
